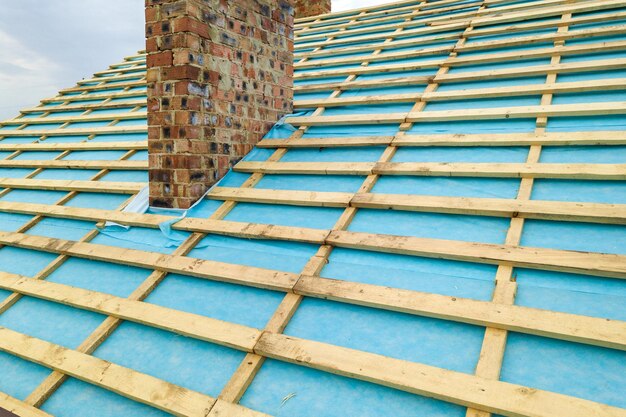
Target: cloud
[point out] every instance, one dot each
(21, 75)
(49, 45)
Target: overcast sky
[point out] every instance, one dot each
(47, 45)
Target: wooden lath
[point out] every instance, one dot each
(20, 408)
(458, 139)
(461, 21)
(74, 146)
(140, 101)
(74, 164)
(73, 185)
(468, 94)
(564, 326)
(125, 381)
(486, 31)
(463, 389)
(458, 387)
(455, 169)
(487, 45)
(83, 118)
(77, 131)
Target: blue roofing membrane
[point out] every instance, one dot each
(284, 389)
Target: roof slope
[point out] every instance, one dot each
(443, 229)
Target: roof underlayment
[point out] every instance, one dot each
(443, 229)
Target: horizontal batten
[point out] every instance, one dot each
(78, 119)
(124, 381)
(485, 46)
(77, 164)
(73, 185)
(570, 327)
(187, 324)
(457, 387)
(501, 207)
(103, 87)
(505, 170)
(190, 224)
(357, 119)
(459, 169)
(219, 271)
(326, 142)
(73, 131)
(328, 168)
(588, 263)
(294, 197)
(79, 98)
(468, 94)
(354, 85)
(19, 408)
(521, 112)
(493, 139)
(97, 106)
(76, 146)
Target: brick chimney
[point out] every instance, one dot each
(220, 73)
(306, 8)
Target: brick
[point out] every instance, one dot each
(220, 73)
(305, 8)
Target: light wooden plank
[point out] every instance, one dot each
(73, 185)
(363, 70)
(582, 7)
(584, 66)
(459, 139)
(141, 101)
(76, 131)
(589, 263)
(463, 389)
(213, 270)
(90, 88)
(328, 168)
(411, 11)
(290, 197)
(75, 146)
(190, 224)
(445, 26)
(485, 31)
(354, 85)
(477, 93)
(109, 79)
(77, 119)
(20, 408)
(131, 384)
(574, 328)
(360, 100)
(190, 325)
(382, 45)
(548, 23)
(485, 46)
(608, 84)
(326, 142)
(505, 170)
(75, 164)
(500, 170)
(467, 17)
(521, 112)
(89, 97)
(351, 119)
(501, 207)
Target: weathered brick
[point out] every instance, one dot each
(305, 8)
(220, 73)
